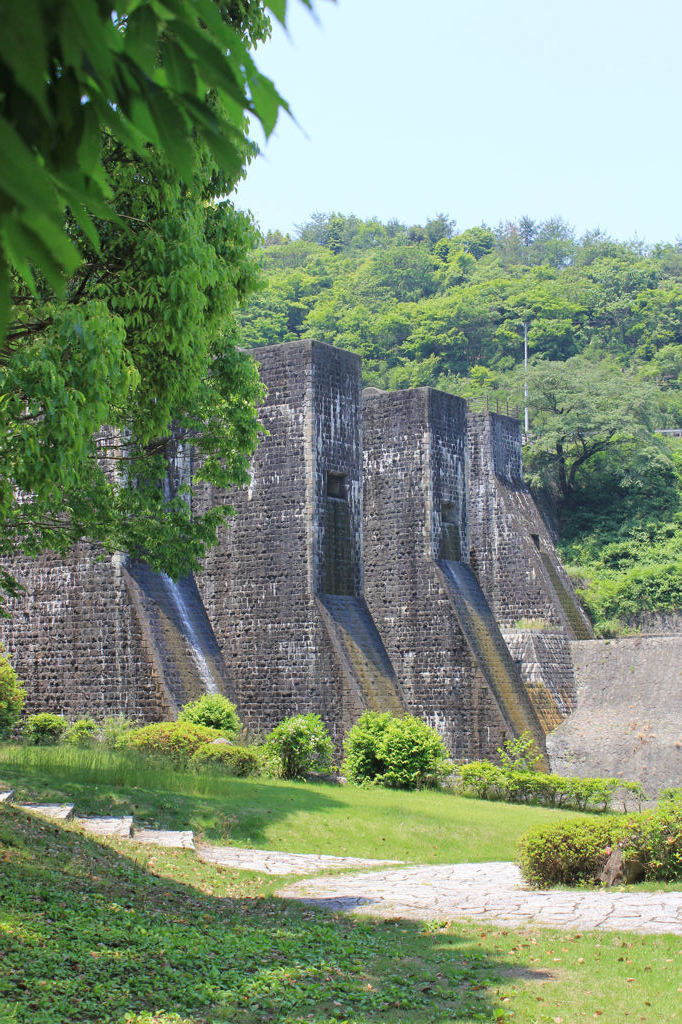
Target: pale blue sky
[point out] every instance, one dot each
(481, 109)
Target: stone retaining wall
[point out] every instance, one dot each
(628, 720)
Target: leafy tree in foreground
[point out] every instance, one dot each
(12, 694)
(166, 74)
(139, 335)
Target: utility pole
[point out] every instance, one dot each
(525, 376)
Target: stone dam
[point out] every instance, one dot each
(387, 554)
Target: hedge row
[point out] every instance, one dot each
(489, 781)
(575, 852)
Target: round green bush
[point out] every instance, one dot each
(575, 852)
(298, 746)
(654, 839)
(224, 757)
(171, 741)
(403, 753)
(82, 733)
(568, 853)
(212, 710)
(413, 753)
(361, 746)
(12, 694)
(44, 729)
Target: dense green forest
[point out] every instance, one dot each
(431, 305)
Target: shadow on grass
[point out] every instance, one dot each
(216, 807)
(89, 935)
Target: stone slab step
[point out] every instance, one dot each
(114, 828)
(274, 862)
(6, 797)
(159, 837)
(55, 812)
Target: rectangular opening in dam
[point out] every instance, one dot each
(336, 485)
(338, 575)
(450, 543)
(536, 540)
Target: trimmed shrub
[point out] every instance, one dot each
(403, 753)
(489, 781)
(214, 711)
(361, 746)
(655, 839)
(44, 729)
(483, 779)
(299, 745)
(114, 729)
(82, 733)
(413, 754)
(171, 741)
(12, 694)
(231, 760)
(575, 852)
(568, 853)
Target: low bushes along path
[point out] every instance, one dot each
(490, 892)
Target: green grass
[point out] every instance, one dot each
(425, 827)
(106, 933)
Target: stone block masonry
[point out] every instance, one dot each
(75, 640)
(440, 633)
(511, 551)
(284, 587)
(377, 553)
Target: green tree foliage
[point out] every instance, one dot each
(139, 108)
(427, 305)
(167, 74)
(581, 408)
(213, 710)
(299, 745)
(12, 694)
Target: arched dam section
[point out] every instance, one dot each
(385, 555)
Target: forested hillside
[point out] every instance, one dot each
(431, 305)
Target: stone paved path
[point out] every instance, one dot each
(109, 828)
(274, 862)
(55, 812)
(492, 893)
(163, 837)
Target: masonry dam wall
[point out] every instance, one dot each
(385, 555)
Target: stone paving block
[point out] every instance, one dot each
(160, 837)
(115, 828)
(490, 892)
(6, 797)
(274, 862)
(55, 812)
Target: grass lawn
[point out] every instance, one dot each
(107, 933)
(426, 827)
